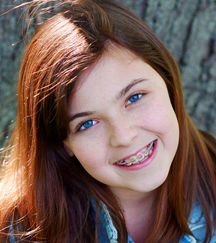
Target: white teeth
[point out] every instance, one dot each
(140, 157)
(128, 164)
(133, 159)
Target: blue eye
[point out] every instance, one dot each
(134, 98)
(87, 124)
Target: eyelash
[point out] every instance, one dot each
(79, 127)
(139, 96)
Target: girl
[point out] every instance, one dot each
(103, 149)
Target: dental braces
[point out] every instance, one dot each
(134, 160)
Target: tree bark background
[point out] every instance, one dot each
(187, 27)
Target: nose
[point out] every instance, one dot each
(122, 132)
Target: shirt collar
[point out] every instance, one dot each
(112, 233)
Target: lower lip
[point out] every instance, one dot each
(142, 164)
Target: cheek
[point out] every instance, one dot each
(158, 114)
(159, 118)
(89, 152)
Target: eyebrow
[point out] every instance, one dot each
(129, 86)
(80, 114)
(121, 94)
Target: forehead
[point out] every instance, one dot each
(113, 61)
(106, 73)
(101, 84)
(114, 54)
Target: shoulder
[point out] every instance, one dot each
(108, 234)
(197, 222)
(11, 238)
(197, 226)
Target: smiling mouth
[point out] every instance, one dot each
(139, 157)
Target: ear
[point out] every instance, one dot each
(68, 149)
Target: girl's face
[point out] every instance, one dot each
(123, 129)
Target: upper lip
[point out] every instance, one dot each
(134, 154)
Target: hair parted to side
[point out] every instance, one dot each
(45, 194)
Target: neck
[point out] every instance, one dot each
(138, 209)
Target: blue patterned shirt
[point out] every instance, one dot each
(108, 234)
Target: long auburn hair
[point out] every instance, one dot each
(45, 194)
